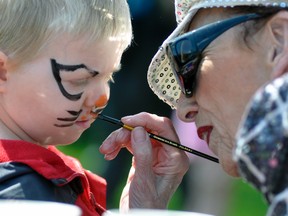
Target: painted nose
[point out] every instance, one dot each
(97, 97)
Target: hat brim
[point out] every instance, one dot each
(160, 76)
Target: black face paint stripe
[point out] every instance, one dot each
(56, 72)
(75, 115)
(76, 67)
(67, 119)
(70, 67)
(64, 125)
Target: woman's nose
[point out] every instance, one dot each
(187, 108)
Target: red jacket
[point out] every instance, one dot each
(53, 175)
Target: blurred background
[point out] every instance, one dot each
(205, 188)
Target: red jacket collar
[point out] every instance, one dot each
(50, 163)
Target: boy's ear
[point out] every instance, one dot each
(278, 26)
(3, 70)
(3, 66)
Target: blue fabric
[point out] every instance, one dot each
(19, 181)
(262, 144)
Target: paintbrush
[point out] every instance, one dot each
(159, 138)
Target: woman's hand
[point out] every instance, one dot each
(157, 169)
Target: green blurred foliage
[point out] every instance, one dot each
(245, 200)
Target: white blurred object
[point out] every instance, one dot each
(151, 212)
(37, 208)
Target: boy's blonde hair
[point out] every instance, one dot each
(26, 26)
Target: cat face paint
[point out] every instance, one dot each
(49, 98)
(100, 104)
(69, 121)
(59, 68)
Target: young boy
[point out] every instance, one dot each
(56, 60)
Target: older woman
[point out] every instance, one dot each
(209, 68)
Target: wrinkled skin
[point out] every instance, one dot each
(227, 78)
(157, 169)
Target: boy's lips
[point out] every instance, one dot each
(204, 132)
(84, 123)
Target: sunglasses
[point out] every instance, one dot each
(185, 51)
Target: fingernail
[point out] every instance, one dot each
(101, 147)
(139, 134)
(107, 157)
(126, 118)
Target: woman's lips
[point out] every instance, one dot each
(204, 133)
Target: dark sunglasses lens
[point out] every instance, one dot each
(189, 82)
(184, 65)
(183, 49)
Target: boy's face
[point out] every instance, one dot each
(55, 97)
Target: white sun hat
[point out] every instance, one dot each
(160, 76)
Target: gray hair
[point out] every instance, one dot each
(27, 26)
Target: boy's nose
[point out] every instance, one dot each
(97, 97)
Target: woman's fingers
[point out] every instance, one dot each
(114, 142)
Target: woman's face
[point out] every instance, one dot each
(55, 97)
(227, 78)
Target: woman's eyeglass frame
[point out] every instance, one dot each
(185, 51)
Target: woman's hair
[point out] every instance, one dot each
(27, 26)
(254, 26)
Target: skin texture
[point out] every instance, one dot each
(29, 92)
(160, 168)
(228, 76)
